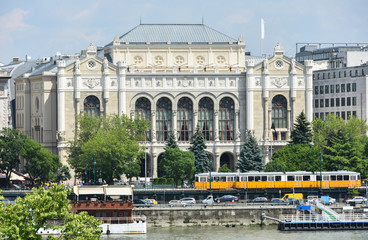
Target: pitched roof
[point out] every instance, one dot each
(174, 33)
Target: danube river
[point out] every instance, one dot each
(239, 233)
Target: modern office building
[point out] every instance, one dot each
(341, 91)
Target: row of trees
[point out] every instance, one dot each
(40, 164)
(331, 144)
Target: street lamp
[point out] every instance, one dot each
(320, 170)
(145, 160)
(210, 175)
(94, 169)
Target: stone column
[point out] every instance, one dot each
(309, 89)
(175, 124)
(195, 120)
(249, 95)
(106, 84)
(265, 95)
(61, 96)
(121, 87)
(216, 160)
(153, 126)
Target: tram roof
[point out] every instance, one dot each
(255, 173)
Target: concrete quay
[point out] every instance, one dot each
(215, 215)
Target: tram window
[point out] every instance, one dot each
(358, 177)
(346, 177)
(264, 178)
(290, 178)
(326, 178)
(339, 177)
(243, 179)
(222, 179)
(197, 179)
(278, 178)
(203, 179)
(306, 178)
(216, 179)
(318, 177)
(271, 178)
(299, 178)
(353, 177)
(333, 177)
(250, 179)
(257, 178)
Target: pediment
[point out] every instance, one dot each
(91, 66)
(280, 65)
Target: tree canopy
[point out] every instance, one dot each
(251, 157)
(106, 147)
(171, 141)
(178, 164)
(23, 219)
(302, 132)
(198, 147)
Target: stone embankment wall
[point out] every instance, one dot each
(211, 215)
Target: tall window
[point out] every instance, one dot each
(279, 111)
(92, 106)
(185, 119)
(163, 118)
(143, 111)
(205, 118)
(226, 119)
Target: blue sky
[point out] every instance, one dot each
(40, 28)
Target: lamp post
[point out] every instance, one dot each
(320, 170)
(145, 161)
(210, 175)
(94, 169)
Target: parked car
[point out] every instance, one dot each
(227, 199)
(188, 201)
(208, 200)
(260, 200)
(278, 201)
(177, 203)
(357, 199)
(151, 201)
(140, 201)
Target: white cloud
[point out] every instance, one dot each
(12, 22)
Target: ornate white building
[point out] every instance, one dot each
(178, 77)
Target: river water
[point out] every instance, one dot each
(239, 233)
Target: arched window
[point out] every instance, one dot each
(92, 106)
(163, 118)
(185, 119)
(143, 111)
(279, 111)
(226, 119)
(205, 117)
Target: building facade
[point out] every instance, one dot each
(341, 91)
(178, 77)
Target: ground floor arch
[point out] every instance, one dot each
(146, 165)
(228, 158)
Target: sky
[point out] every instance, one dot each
(40, 28)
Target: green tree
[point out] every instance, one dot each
(251, 157)
(23, 219)
(178, 164)
(295, 157)
(171, 141)
(40, 164)
(302, 133)
(133, 169)
(198, 147)
(224, 168)
(62, 174)
(11, 145)
(106, 152)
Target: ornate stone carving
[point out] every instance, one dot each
(77, 65)
(91, 82)
(216, 134)
(59, 136)
(265, 66)
(279, 82)
(238, 134)
(174, 113)
(258, 82)
(153, 113)
(153, 135)
(300, 83)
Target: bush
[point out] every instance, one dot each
(159, 181)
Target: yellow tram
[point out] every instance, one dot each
(262, 180)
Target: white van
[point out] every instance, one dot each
(208, 200)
